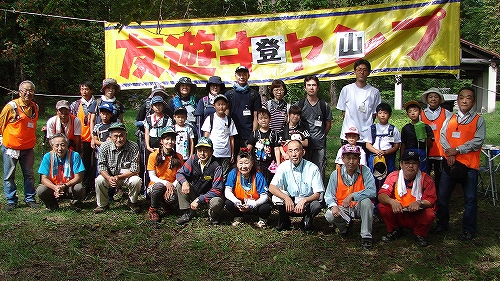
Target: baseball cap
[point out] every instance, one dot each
(157, 99)
(106, 106)
(409, 155)
(352, 130)
(241, 68)
(62, 104)
(220, 97)
(117, 126)
(168, 130)
(204, 141)
(379, 167)
(347, 148)
(180, 110)
(411, 103)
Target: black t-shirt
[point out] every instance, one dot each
(409, 137)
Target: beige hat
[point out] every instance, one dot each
(432, 90)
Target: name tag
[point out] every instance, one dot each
(318, 123)
(389, 139)
(455, 135)
(362, 108)
(247, 112)
(433, 126)
(31, 125)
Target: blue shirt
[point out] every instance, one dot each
(78, 167)
(260, 181)
(302, 180)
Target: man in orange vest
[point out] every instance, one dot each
(462, 137)
(18, 127)
(62, 173)
(80, 109)
(407, 199)
(66, 123)
(348, 195)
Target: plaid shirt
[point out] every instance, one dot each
(113, 160)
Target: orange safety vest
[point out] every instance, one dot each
(467, 132)
(59, 178)
(344, 190)
(86, 133)
(436, 149)
(20, 133)
(406, 199)
(241, 193)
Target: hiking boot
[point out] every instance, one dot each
(153, 215)
(237, 221)
(391, 236)
(466, 236)
(306, 223)
(262, 223)
(420, 241)
(367, 243)
(186, 217)
(100, 209)
(134, 207)
(32, 204)
(10, 207)
(213, 220)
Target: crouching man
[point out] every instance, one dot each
(407, 199)
(62, 174)
(200, 182)
(118, 166)
(348, 195)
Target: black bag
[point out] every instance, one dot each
(458, 171)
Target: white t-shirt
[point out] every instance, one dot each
(220, 135)
(54, 128)
(359, 105)
(383, 140)
(184, 134)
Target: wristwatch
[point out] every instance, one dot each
(422, 205)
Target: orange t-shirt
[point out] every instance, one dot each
(163, 171)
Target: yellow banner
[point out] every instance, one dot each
(398, 38)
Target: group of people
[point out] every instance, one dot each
(228, 150)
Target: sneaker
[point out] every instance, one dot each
(262, 223)
(391, 236)
(134, 207)
(420, 241)
(184, 218)
(10, 207)
(367, 243)
(237, 221)
(32, 204)
(213, 220)
(153, 215)
(285, 225)
(466, 236)
(100, 209)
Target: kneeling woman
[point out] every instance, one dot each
(162, 168)
(246, 191)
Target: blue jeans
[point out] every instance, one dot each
(26, 161)
(469, 186)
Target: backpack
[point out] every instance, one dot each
(211, 116)
(253, 96)
(374, 132)
(322, 106)
(14, 107)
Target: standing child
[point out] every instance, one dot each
(101, 133)
(434, 116)
(155, 123)
(264, 144)
(219, 128)
(185, 134)
(352, 136)
(294, 130)
(416, 135)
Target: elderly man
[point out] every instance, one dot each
(118, 166)
(407, 199)
(297, 186)
(348, 195)
(462, 137)
(200, 182)
(18, 127)
(62, 173)
(66, 123)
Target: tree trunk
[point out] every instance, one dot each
(334, 97)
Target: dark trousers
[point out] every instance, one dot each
(311, 209)
(262, 211)
(90, 164)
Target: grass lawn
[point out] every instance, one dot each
(121, 245)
